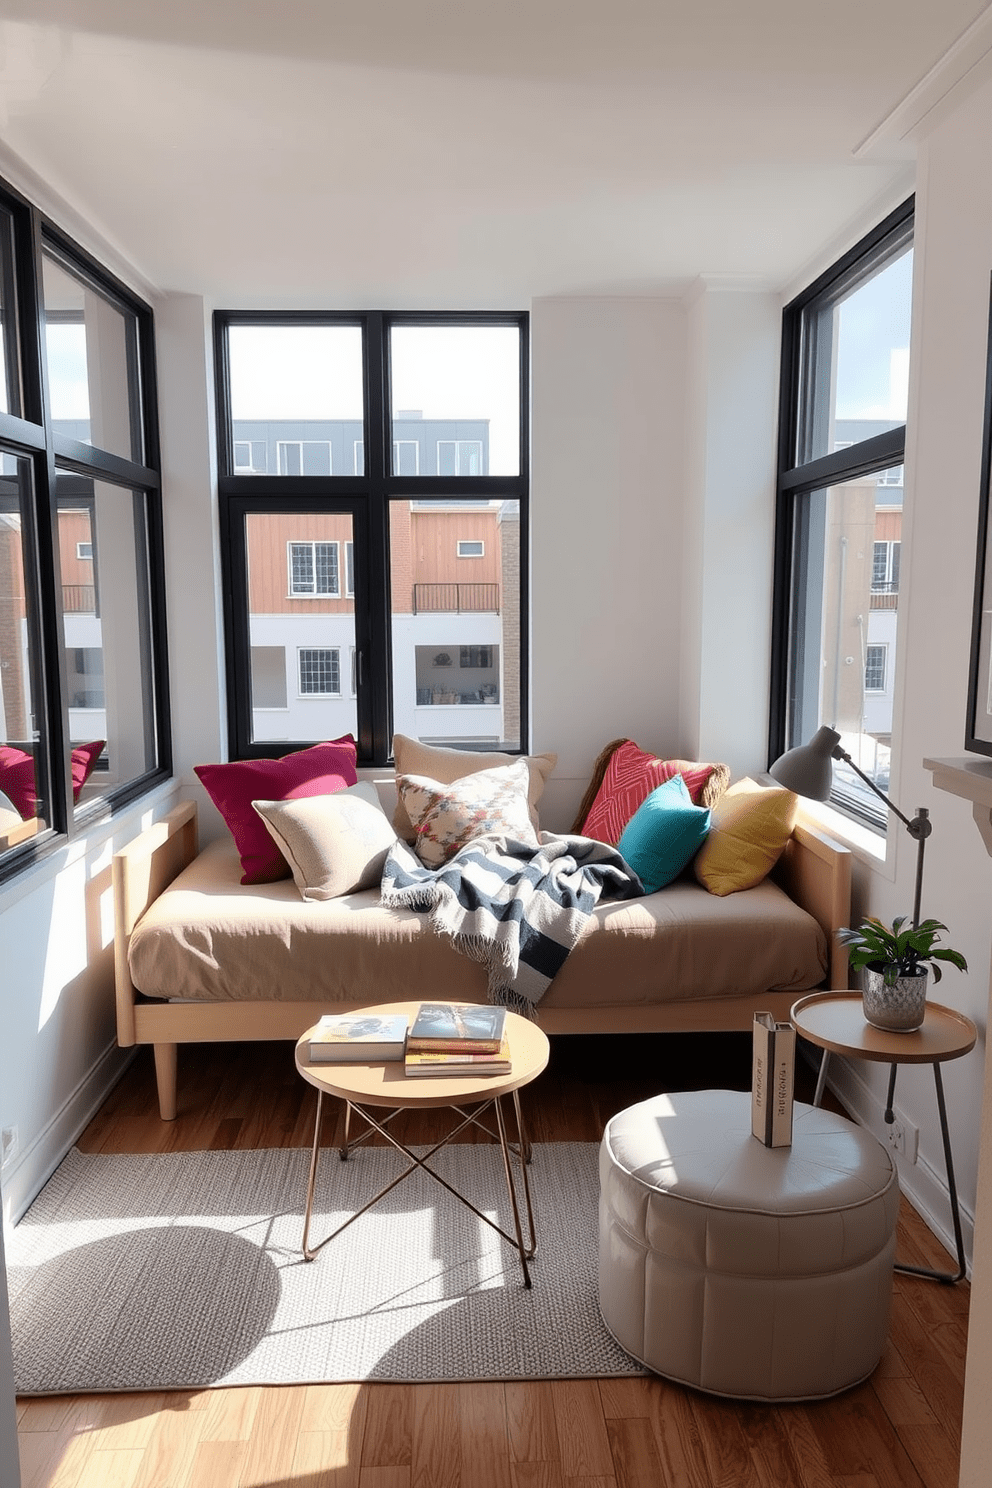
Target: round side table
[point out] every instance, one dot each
(365, 1087)
(836, 1022)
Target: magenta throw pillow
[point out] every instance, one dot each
(84, 757)
(17, 779)
(318, 771)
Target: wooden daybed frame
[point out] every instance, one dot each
(814, 870)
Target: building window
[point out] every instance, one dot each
(303, 457)
(459, 457)
(320, 671)
(885, 567)
(875, 658)
(250, 456)
(313, 568)
(471, 548)
(406, 457)
(842, 436)
(268, 677)
(369, 537)
(82, 623)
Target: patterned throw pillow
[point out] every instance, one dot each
(632, 775)
(411, 757)
(491, 803)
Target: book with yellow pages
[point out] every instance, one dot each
(417, 1062)
(457, 1028)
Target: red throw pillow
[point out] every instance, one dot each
(84, 757)
(632, 775)
(319, 771)
(17, 779)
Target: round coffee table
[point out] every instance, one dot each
(364, 1087)
(836, 1022)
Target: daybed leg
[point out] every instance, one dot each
(165, 1078)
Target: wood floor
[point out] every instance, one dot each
(899, 1430)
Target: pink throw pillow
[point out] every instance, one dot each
(17, 779)
(632, 775)
(318, 771)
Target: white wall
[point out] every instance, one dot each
(951, 304)
(607, 494)
(732, 360)
(58, 1054)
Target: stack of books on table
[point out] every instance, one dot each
(456, 1038)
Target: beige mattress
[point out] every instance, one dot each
(208, 938)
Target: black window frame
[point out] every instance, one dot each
(800, 476)
(28, 432)
(366, 498)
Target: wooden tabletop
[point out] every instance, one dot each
(386, 1084)
(836, 1021)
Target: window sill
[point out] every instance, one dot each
(870, 846)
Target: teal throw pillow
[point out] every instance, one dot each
(664, 834)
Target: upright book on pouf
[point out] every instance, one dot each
(773, 1069)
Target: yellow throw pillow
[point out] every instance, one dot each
(750, 825)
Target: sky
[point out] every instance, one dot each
(873, 346)
(315, 372)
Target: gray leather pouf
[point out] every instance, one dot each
(747, 1271)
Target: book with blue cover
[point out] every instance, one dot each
(457, 1027)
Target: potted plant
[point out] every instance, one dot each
(895, 960)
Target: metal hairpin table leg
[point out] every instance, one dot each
(468, 1119)
(949, 1278)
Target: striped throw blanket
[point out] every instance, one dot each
(516, 909)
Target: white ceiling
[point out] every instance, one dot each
(463, 153)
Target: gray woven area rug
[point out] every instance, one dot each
(183, 1270)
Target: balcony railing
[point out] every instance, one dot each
(456, 599)
(884, 596)
(79, 599)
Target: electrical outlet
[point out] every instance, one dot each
(8, 1144)
(903, 1138)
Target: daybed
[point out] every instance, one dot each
(200, 956)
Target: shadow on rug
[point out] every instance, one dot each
(183, 1270)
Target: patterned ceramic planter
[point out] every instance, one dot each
(898, 1008)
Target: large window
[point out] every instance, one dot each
(363, 458)
(83, 710)
(842, 436)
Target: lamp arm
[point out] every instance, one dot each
(842, 754)
(919, 826)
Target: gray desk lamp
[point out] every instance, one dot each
(808, 770)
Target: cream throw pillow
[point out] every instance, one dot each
(490, 803)
(334, 844)
(749, 827)
(448, 765)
